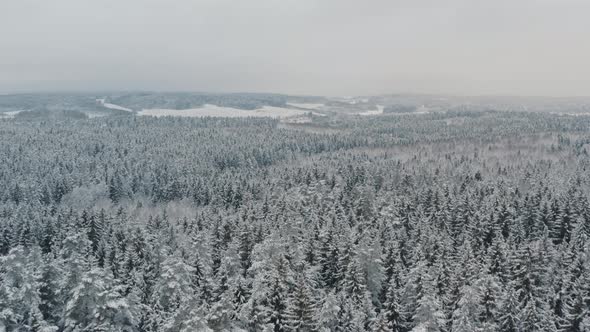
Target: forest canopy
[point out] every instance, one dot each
(442, 221)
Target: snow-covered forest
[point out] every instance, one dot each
(445, 221)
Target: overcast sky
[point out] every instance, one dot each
(329, 47)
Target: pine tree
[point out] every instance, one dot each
(300, 307)
(564, 224)
(229, 293)
(381, 324)
(328, 313)
(577, 303)
(509, 320)
(489, 289)
(390, 315)
(466, 316)
(270, 287)
(173, 291)
(429, 316)
(50, 305)
(328, 259)
(535, 313)
(20, 301)
(411, 294)
(196, 322)
(277, 301)
(96, 305)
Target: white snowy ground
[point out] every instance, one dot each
(117, 107)
(309, 106)
(113, 106)
(9, 115)
(374, 112)
(229, 112)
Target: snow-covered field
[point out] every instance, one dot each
(378, 111)
(117, 107)
(350, 100)
(9, 115)
(226, 112)
(113, 106)
(309, 106)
